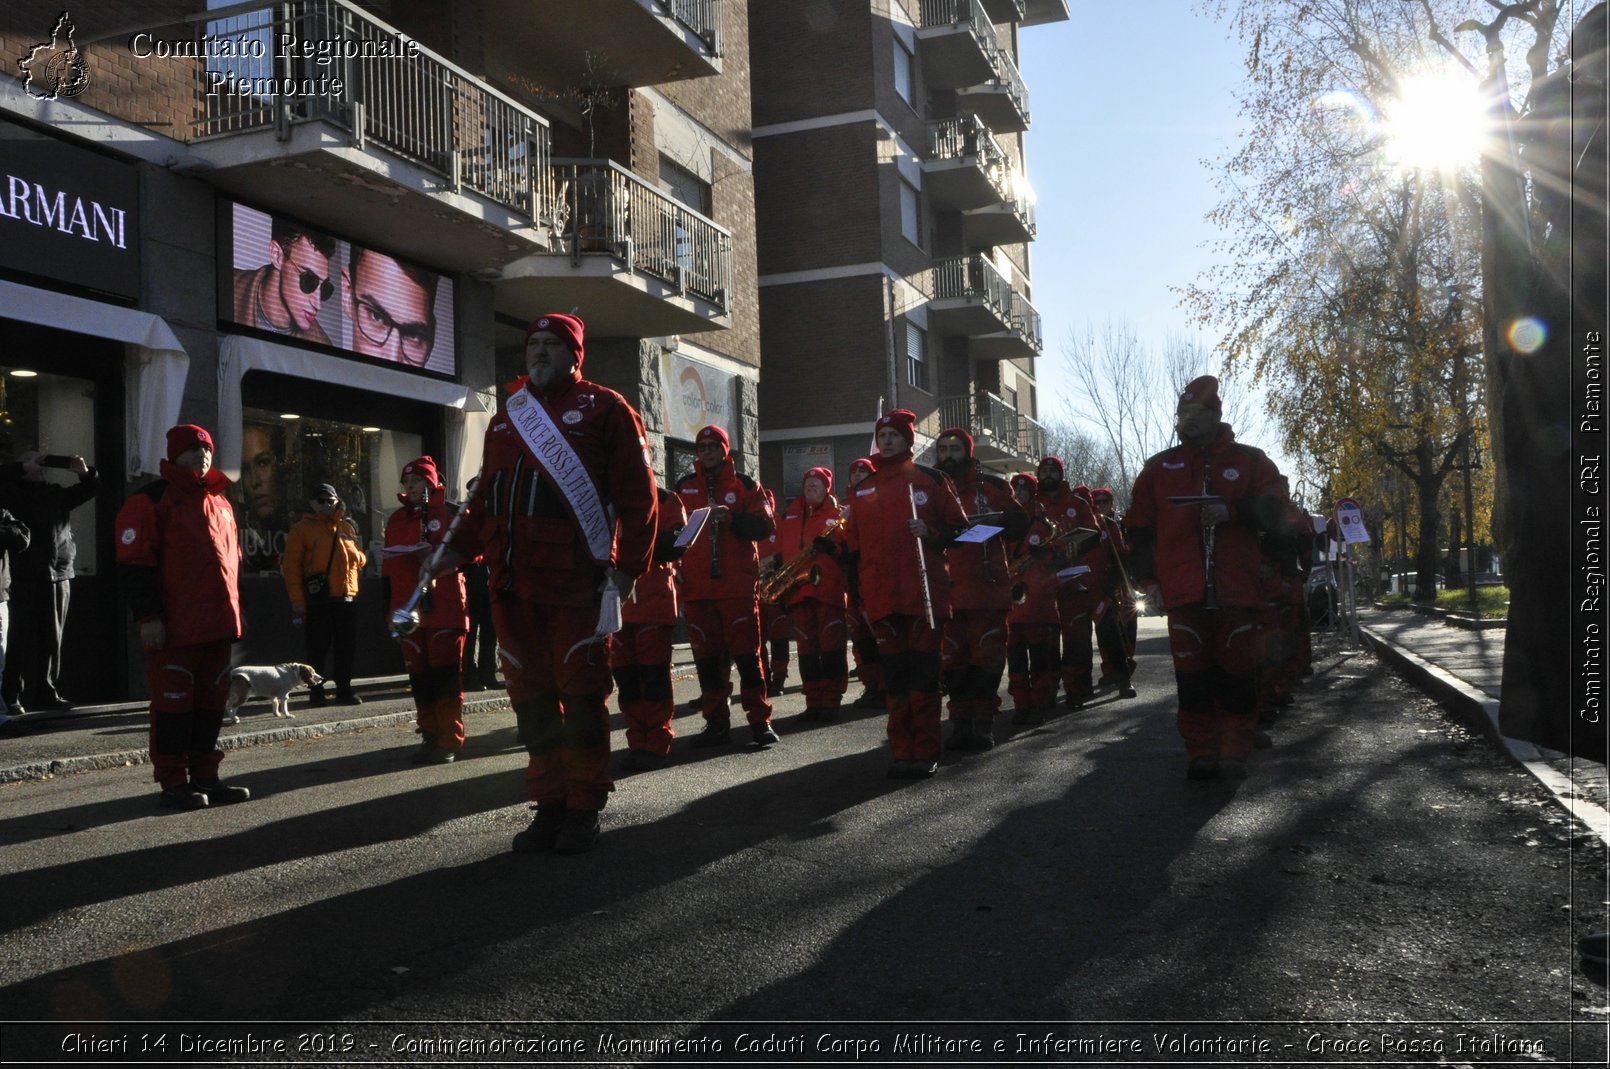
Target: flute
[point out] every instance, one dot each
(922, 563)
(405, 621)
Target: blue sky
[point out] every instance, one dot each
(1124, 111)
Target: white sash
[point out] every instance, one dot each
(548, 445)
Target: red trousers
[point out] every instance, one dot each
(1216, 658)
(558, 680)
(724, 632)
(864, 648)
(775, 629)
(973, 659)
(821, 634)
(189, 687)
(1031, 660)
(433, 657)
(909, 651)
(1078, 628)
(640, 655)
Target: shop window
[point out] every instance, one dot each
(284, 458)
(55, 415)
(680, 460)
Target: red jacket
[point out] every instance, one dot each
(796, 532)
(518, 521)
(877, 532)
(653, 599)
(751, 521)
(443, 605)
(1035, 567)
(979, 576)
(178, 553)
(1168, 541)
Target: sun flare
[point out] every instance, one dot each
(1438, 122)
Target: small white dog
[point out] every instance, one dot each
(274, 683)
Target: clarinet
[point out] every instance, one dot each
(715, 541)
(1210, 590)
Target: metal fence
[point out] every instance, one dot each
(955, 12)
(408, 100)
(602, 207)
(990, 420)
(703, 17)
(1025, 319)
(973, 277)
(966, 135)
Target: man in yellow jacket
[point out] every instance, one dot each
(323, 560)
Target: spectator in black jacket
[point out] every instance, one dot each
(41, 577)
(13, 539)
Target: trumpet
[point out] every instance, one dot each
(802, 570)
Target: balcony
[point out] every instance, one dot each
(413, 150)
(1000, 100)
(1021, 338)
(965, 167)
(1043, 12)
(956, 40)
(973, 299)
(1005, 10)
(1002, 436)
(633, 42)
(1008, 221)
(637, 262)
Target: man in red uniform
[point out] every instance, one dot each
(863, 646)
(816, 609)
(899, 520)
(719, 575)
(1077, 598)
(1031, 623)
(640, 653)
(178, 556)
(433, 653)
(1205, 559)
(565, 507)
(974, 646)
(1116, 632)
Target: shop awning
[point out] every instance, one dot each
(155, 369)
(469, 410)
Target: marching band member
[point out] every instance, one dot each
(1076, 598)
(863, 647)
(974, 647)
(1202, 560)
(775, 627)
(1032, 623)
(1117, 632)
(558, 458)
(433, 653)
(816, 609)
(898, 521)
(640, 652)
(719, 575)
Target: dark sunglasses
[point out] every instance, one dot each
(310, 282)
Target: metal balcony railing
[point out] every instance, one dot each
(991, 421)
(1008, 78)
(957, 12)
(1026, 321)
(975, 278)
(410, 101)
(600, 207)
(964, 136)
(703, 17)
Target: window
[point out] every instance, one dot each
(1009, 395)
(904, 82)
(916, 356)
(52, 414)
(910, 218)
(685, 186)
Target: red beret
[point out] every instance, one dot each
(901, 419)
(425, 466)
(1101, 491)
(1204, 391)
(958, 432)
(187, 436)
(824, 474)
(713, 433)
(1052, 462)
(1022, 479)
(568, 327)
(863, 464)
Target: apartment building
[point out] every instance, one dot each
(895, 226)
(320, 227)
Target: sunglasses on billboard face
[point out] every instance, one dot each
(310, 282)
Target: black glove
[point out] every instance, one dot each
(823, 544)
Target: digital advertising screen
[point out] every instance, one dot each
(295, 280)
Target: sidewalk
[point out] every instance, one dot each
(1464, 669)
(89, 737)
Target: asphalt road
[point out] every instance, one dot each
(1385, 888)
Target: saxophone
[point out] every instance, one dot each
(803, 569)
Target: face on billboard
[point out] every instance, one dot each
(298, 282)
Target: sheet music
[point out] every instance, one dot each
(696, 521)
(982, 532)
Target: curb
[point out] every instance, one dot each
(1480, 710)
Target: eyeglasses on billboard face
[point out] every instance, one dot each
(376, 325)
(309, 281)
